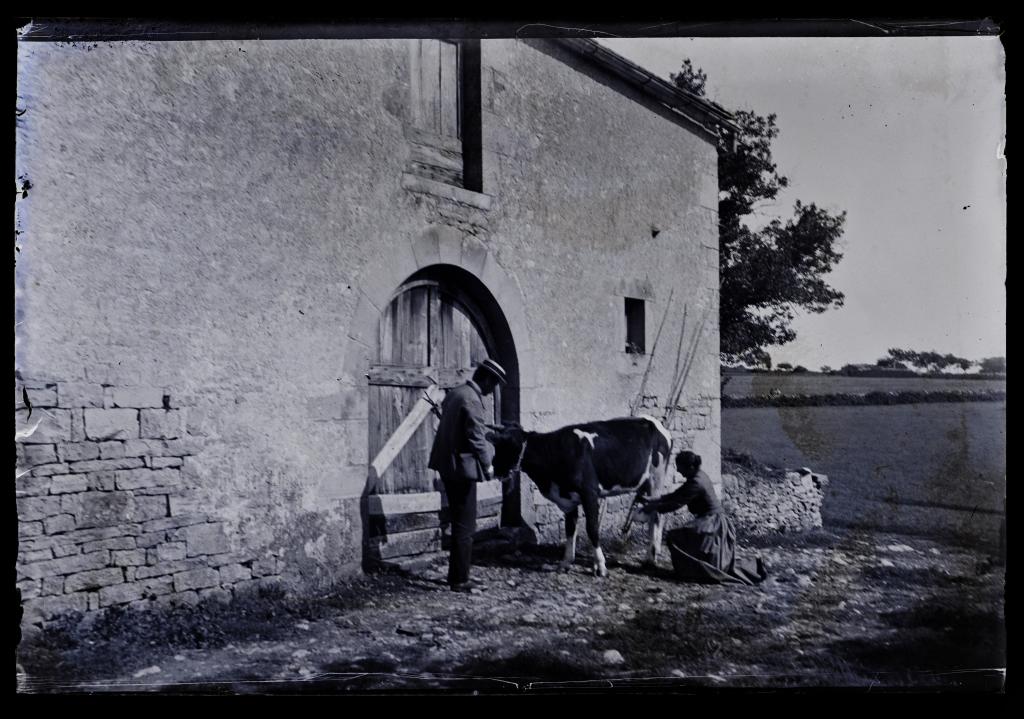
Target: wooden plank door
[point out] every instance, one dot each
(426, 337)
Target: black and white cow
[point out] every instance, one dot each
(582, 463)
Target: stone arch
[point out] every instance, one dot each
(434, 247)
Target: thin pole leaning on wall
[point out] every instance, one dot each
(650, 359)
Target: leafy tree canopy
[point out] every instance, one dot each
(767, 274)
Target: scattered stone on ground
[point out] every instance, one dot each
(827, 624)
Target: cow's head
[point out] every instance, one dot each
(508, 443)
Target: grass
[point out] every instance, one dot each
(753, 385)
(935, 470)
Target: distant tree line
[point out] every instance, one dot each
(902, 362)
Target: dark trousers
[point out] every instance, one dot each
(462, 511)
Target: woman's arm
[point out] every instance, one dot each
(674, 500)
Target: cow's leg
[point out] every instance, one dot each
(656, 487)
(571, 529)
(592, 510)
(657, 525)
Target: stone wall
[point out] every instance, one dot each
(105, 504)
(780, 502)
(774, 502)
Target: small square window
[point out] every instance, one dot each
(635, 327)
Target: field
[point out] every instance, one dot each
(746, 385)
(936, 470)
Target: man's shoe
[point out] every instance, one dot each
(468, 586)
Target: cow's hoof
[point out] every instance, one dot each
(600, 571)
(564, 566)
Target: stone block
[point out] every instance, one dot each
(121, 594)
(180, 447)
(160, 423)
(48, 470)
(78, 451)
(184, 520)
(38, 397)
(206, 539)
(231, 573)
(97, 509)
(171, 551)
(37, 555)
(93, 579)
(162, 569)
(264, 567)
(45, 608)
(66, 565)
(78, 425)
(128, 557)
(59, 524)
(29, 529)
(32, 455)
(79, 394)
(46, 426)
(147, 478)
(200, 578)
(52, 586)
(29, 486)
(112, 543)
(165, 462)
(189, 598)
(215, 594)
(30, 589)
(37, 508)
(111, 450)
(158, 586)
(68, 483)
(138, 397)
(108, 424)
(146, 508)
(103, 481)
(152, 539)
(106, 465)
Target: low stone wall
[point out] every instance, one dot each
(756, 503)
(776, 502)
(105, 509)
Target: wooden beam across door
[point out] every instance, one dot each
(403, 433)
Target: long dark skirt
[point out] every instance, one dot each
(704, 550)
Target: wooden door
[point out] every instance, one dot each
(427, 336)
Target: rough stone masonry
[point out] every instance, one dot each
(104, 504)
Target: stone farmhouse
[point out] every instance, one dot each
(242, 264)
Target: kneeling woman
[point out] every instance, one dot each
(703, 549)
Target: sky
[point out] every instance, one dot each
(906, 135)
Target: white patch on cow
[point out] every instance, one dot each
(586, 436)
(660, 427)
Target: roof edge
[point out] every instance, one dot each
(710, 116)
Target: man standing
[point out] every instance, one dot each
(463, 457)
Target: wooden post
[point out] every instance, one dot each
(404, 432)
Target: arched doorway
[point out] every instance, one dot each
(437, 326)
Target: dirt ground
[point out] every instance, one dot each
(850, 609)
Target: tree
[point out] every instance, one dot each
(930, 361)
(784, 366)
(825, 369)
(993, 365)
(765, 275)
(890, 363)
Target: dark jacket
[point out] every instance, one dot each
(697, 494)
(460, 446)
